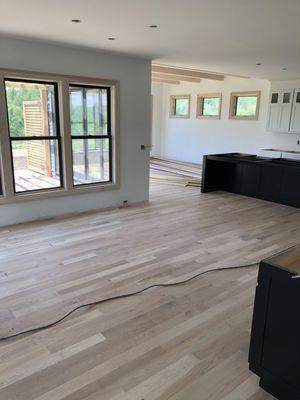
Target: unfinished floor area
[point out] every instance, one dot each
(183, 343)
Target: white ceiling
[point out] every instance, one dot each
(228, 36)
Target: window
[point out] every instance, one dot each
(244, 105)
(274, 98)
(34, 134)
(180, 106)
(91, 134)
(286, 97)
(209, 105)
(59, 135)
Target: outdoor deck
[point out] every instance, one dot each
(26, 180)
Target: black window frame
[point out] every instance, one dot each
(108, 136)
(38, 138)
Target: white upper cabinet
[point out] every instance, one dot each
(284, 111)
(295, 120)
(286, 105)
(274, 111)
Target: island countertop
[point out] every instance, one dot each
(253, 158)
(272, 179)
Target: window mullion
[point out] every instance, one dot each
(66, 135)
(85, 132)
(5, 156)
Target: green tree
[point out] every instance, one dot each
(15, 99)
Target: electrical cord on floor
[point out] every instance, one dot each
(122, 296)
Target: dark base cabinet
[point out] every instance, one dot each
(270, 183)
(290, 186)
(266, 179)
(250, 180)
(275, 346)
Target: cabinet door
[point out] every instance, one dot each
(274, 111)
(280, 357)
(251, 180)
(286, 101)
(290, 186)
(295, 121)
(228, 176)
(270, 183)
(237, 182)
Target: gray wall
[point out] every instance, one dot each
(134, 75)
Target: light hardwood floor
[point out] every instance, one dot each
(184, 343)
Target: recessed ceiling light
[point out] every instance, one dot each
(153, 26)
(76, 21)
(258, 64)
(111, 38)
(284, 68)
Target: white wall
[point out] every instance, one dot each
(156, 123)
(190, 139)
(134, 75)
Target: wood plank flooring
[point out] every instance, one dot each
(184, 343)
(175, 172)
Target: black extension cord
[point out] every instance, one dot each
(122, 296)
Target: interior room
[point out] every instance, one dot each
(149, 200)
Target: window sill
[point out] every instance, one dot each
(208, 116)
(245, 118)
(52, 193)
(179, 116)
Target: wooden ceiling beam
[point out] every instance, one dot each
(170, 81)
(192, 73)
(176, 77)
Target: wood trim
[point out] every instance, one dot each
(186, 72)
(168, 81)
(115, 132)
(5, 149)
(59, 192)
(66, 143)
(51, 77)
(63, 82)
(206, 71)
(175, 77)
(172, 104)
(232, 108)
(200, 99)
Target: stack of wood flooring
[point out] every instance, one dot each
(175, 172)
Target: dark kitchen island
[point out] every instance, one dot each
(274, 353)
(272, 179)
